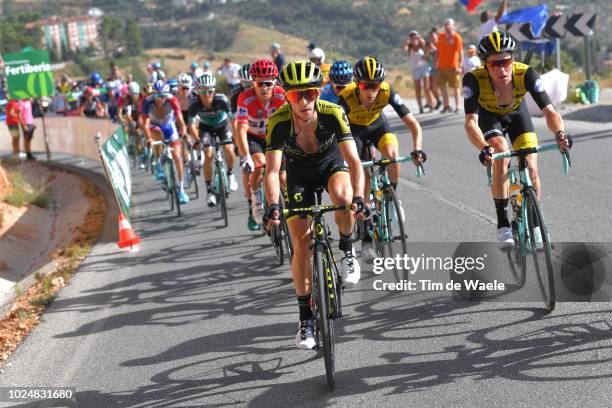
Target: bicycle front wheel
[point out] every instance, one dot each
(322, 270)
(173, 186)
(393, 235)
(221, 184)
(545, 273)
(284, 231)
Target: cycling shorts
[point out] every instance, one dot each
(517, 124)
(168, 131)
(256, 144)
(378, 133)
(208, 134)
(304, 180)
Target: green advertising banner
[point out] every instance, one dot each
(115, 155)
(28, 74)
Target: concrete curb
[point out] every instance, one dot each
(93, 171)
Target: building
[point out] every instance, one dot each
(70, 33)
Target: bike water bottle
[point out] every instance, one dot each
(516, 198)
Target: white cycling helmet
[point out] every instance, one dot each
(206, 80)
(318, 54)
(185, 80)
(133, 88)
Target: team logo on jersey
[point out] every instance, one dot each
(539, 86)
(242, 111)
(398, 99)
(467, 92)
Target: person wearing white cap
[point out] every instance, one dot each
(471, 61)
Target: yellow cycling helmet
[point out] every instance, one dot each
(300, 75)
(369, 68)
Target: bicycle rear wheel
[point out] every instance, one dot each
(325, 325)
(394, 229)
(545, 273)
(284, 230)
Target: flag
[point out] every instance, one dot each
(536, 15)
(470, 5)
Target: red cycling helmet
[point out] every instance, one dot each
(264, 68)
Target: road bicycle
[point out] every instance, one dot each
(326, 281)
(529, 230)
(189, 164)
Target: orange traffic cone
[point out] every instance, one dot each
(127, 236)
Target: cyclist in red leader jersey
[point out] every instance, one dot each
(255, 106)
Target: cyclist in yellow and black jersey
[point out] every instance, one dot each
(494, 104)
(364, 101)
(320, 152)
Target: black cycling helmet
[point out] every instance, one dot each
(300, 75)
(496, 42)
(369, 68)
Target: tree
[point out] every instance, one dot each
(110, 32)
(133, 39)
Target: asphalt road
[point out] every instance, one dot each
(201, 316)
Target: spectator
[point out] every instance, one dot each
(196, 71)
(312, 46)
(489, 25)
(450, 57)
(27, 126)
(317, 57)
(419, 68)
(432, 48)
(90, 105)
(471, 60)
(63, 90)
(231, 71)
(15, 123)
(115, 73)
(277, 56)
(207, 69)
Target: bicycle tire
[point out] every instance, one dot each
(284, 229)
(392, 206)
(173, 187)
(546, 279)
(324, 323)
(192, 169)
(221, 192)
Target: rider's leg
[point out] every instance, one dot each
(389, 147)
(500, 185)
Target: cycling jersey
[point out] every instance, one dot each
(234, 99)
(359, 115)
(328, 94)
(479, 92)
(128, 105)
(213, 116)
(308, 171)
(167, 113)
(252, 112)
(332, 128)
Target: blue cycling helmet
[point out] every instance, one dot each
(194, 65)
(160, 86)
(95, 78)
(157, 65)
(172, 82)
(341, 73)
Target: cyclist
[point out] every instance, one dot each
(255, 106)
(184, 92)
(127, 111)
(316, 139)
(364, 101)
(340, 75)
(212, 109)
(494, 103)
(246, 82)
(317, 56)
(161, 112)
(90, 105)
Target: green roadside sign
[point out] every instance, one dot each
(115, 156)
(28, 74)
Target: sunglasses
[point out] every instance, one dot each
(505, 63)
(369, 85)
(264, 84)
(206, 91)
(308, 94)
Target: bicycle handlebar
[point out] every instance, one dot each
(420, 170)
(315, 210)
(565, 156)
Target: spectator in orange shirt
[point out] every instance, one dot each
(450, 57)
